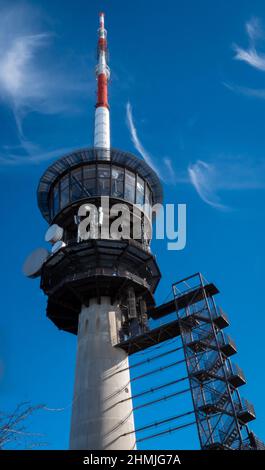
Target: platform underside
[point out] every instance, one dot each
(96, 268)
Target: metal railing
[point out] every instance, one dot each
(234, 369)
(224, 340)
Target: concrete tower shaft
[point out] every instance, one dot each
(102, 415)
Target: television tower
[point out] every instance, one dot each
(101, 287)
(98, 288)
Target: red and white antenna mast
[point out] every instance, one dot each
(102, 119)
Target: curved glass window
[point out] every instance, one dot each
(65, 191)
(89, 180)
(56, 201)
(129, 189)
(51, 205)
(147, 201)
(76, 184)
(117, 181)
(104, 180)
(140, 191)
(98, 179)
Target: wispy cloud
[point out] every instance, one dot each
(202, 176)
(32, 79)
(211, 179)
(35, 157)
(170, 170)
(21, 84)
(246, 91)
(17, 75)
(250, 55)
(254, 29)
(166, 172)
(135, 139)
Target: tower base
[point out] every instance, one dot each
(102, 413)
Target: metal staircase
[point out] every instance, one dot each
(221, 414)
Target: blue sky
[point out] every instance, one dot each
(187, 92)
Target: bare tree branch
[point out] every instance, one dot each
(13, 428)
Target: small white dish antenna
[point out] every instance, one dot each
(54, 234)
(57, 246)
(33, 264)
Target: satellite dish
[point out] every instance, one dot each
(57, 246)
(54, 233)
(33, 264)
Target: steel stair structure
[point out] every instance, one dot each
(221, 414)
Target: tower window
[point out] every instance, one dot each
(140, 191)
(65, 191)
(89, 174)
(117, 180)
(148, 200)
(94, 179)
(129, 190)
(104, 180)
(76, 184)
(56, 198)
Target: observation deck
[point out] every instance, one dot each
(117, 267)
